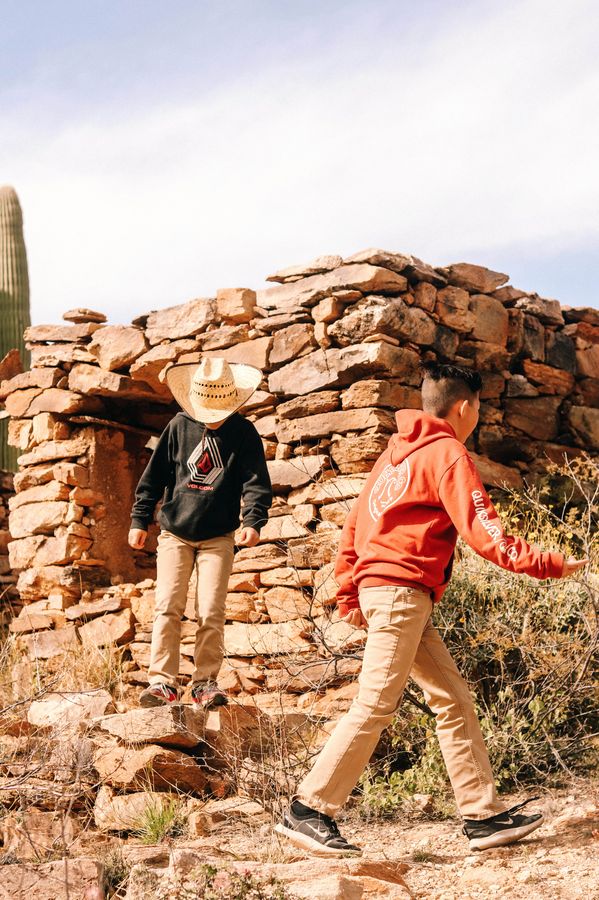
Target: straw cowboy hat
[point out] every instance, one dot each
(213, 389)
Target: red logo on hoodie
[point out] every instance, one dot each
(389, 488)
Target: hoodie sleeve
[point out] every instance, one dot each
(256, 489)
(347, 594)
(152, 483)
(464, 497)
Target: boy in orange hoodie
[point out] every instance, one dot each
(394, 563)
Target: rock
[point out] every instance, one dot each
(281, 528)
(51, 450)
(125, 812)
(547, 311)
(149, 365)
(176, 726)
(232, 809)
(316, 267)
(291, 342)
(183, 320)
(287, 577)
(550, 380)
(38, 518)
(328, 310)
(425, 296)
(234, 732)
(113, 628)
(251, 353)
(486, 357)
(26, 621)
(34, 378)
(50, 490)
(264, 640)
(284, 604)
(20, 433)
(62, 879)
(248, 582)
(308, 405)
(59, 354)
(70, 709)
(150, 766)
(328, 490)
(293, 430)
(39, 550)
(257, 559)
(585, 422)
(95, 381)
(48, 644)
(560, 351)
(340, 368)
(235, 304)
(361, 276)
(85, 610)
(336, 635)
(536, 417)
(81, 315)
(477, 279)
(491, 319)
(117, 346)
(336, 512)
(589, 391)
(10, 365)
(495, 474)
(241, 607)
(41, 334)
(289, 474)
(35, 834)
(587, 361)
(453, 309)
(357, 454)
(397, 262)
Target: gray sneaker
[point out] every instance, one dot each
(315, 832)
(158, 695)
(208, 695)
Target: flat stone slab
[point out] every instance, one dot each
(171, 726)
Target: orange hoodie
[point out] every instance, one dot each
(423, 491)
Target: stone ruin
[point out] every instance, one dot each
(339, 342)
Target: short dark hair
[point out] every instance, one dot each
(443, 384)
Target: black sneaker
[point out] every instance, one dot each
(315, 832)
(208, 695)
(158, 695)
(505, 828)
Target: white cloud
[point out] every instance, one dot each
(485, 137)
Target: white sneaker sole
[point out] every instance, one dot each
(307, 843)
(507, 836)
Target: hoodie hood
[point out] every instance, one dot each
(416, 429)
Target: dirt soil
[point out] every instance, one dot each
(560, 860)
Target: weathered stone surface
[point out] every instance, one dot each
(486, 357)
(588, 390)
(251, 353)
(95, 381)
(308, 405)
(93, 608)
(491, 319)
(357, 454)
(495, 474)
(125, 812)
(587, 360)
(69, 709)
(149, 365)
(337, 635)
(292, 430)
(285, 576)
(585, 422)
(550, 380)
(284, 604)
(56, 400)
(10, 365)
(547, 311)
(62, 879)
(336, 512)
(143, 607)
(36, 834)
(397, 262)
(248, 582)
(50, 490)
(384, 315)
(39, 550)
(316, 267)
(363, 277)
(58, 354)
(286, 474)
(314, 551)
(328, 490)
(81, 314)
(176, 725)
(183, 320)
(291, 342)
(519, 386)
(453, 309)
(536, 417)
(258, 559)
(37, 377)
(327, 310)
(117, 346)
(39, 334)
(17, 404)
(560, 351)
(20, 433)
(149, 766)
(113, 628)
(264, 640)
(340, 368)
(477, 279)
(235, 305)
(281, 528)
(54, 450)
(380, 393)
(38, 518)
(425, 296)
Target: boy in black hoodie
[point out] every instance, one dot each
(208, 462)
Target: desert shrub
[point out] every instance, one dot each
(161, 820)
(529, 649)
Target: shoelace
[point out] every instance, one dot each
(518, 806)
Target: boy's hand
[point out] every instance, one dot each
(572, 565)
(137, 538)
(355, 618)
(248, 537)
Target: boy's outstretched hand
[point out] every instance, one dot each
(137, 538)
(355, 618)
(572, 565)
(247, 537)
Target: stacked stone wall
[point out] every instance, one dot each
(339, 343)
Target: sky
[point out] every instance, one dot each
(161, 151)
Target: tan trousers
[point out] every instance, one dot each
(175, 562)
(402, 642)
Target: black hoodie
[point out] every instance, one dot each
(202, 475)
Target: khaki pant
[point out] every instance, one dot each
(175, 562)
(402, 642)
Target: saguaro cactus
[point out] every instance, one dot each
(14, 296)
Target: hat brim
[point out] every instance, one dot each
(179, 377)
